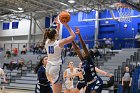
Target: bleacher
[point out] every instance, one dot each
(133, 62)
(24, 78)
(112, 60)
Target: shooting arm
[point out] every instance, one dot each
(58, 27)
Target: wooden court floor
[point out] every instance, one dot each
(15, 91)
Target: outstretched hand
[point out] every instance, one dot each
(109, 75)
(77, 30)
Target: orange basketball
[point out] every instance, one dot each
(64, 17)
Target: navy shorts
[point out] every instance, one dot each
(95, 86)
(81, 84)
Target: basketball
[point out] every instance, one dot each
(64, 17)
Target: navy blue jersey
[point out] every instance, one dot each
(41, 73)
(89, 69)
(93, 81)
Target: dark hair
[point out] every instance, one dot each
(24, 46)
(39, 64)
(91, 54)
(49, 33)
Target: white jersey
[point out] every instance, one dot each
(69, 81)
(54, 52)
(69, 73)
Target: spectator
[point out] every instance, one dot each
(41, 73)
(126, 80)
(40, 49)
(20, 63)
(8, 54)
(103, 43)
(97, 44)
(109, 43)
(5, 65)
(95, 53)
(137, 37)
(15, 52)
(24, 50)
(14, 64)
(35, 49)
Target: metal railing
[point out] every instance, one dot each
(132, 62)
(117, 43)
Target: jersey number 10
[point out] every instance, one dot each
(51, 49)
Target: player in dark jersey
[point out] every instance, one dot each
(94, 83)
(81, 83)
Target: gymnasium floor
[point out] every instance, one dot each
(24, 91)
(15, 91)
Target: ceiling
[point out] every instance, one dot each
(41, 8)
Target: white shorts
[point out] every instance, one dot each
(54, 73)
(69, 84)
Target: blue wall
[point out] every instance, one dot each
(121, 36)
(86, 28)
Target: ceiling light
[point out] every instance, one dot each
(71, 1)
(20, 8)
(63, 4)
(1, 20)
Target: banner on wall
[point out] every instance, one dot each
(6, 26)
(15, 25)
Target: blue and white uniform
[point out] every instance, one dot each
(54, 65)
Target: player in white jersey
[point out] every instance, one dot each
(69, 75)
(54, 48)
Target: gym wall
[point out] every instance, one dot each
(20, 35)
(122, 37)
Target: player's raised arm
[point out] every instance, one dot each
(68, 39)
(77, 50)
(82, 42)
